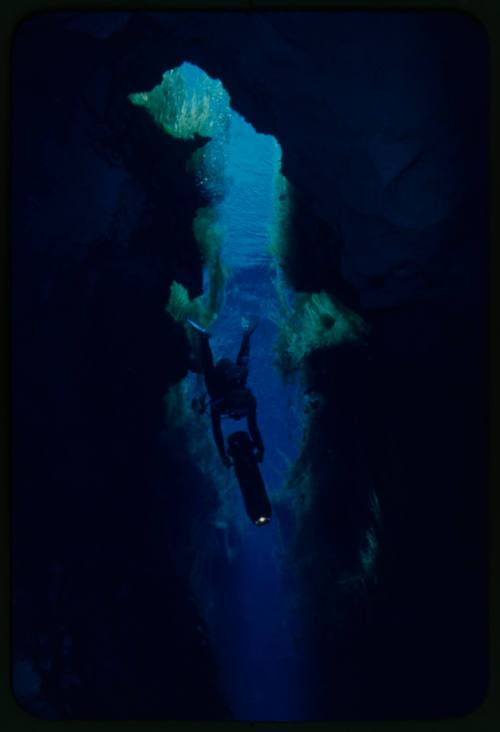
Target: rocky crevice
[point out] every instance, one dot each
(404, 245)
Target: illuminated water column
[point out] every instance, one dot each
(264, 674)
(251, 622)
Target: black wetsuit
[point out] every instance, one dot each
(234, 399)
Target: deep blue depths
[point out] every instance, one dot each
(263, 672)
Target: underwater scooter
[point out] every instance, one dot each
(246, 468)
(241, 450)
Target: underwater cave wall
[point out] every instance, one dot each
(104, 625)
(398, 211)
(383, 122)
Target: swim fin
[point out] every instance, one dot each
(197, 327)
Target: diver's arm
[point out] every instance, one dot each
(254, 430)
(218, 436)
(244, 352)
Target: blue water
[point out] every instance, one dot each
(265, 676)
(252, 162)
(263, 668)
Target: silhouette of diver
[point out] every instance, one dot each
(226, 387)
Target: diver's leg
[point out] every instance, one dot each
(206, 355)
(207, 362)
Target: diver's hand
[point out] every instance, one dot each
(227, 461)
(249, 324)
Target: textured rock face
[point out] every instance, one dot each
(102, 224)
(382, 121)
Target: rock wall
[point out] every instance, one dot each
(383, 121)
(104, 625)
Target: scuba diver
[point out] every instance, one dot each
(226, 386)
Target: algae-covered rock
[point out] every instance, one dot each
(316, 320)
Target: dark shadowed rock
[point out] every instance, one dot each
(382, 119)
